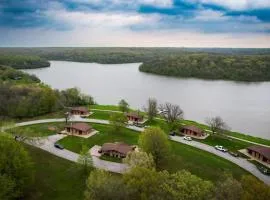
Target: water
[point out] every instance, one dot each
(245, 107)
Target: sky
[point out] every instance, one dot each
(147, 23)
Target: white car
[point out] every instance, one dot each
(187, 138)
(220, 148)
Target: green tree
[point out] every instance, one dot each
(118, 121)
(183, 185)
(123, 105)
(102, 185)
(254, 189)
(139, 159)
(16, 169)
(229, 188)
(85, 160)
(145, 184)
(155, 142)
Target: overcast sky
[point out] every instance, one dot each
(172, 23)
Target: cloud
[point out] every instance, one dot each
(236, 4)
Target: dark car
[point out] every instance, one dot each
(172, 133)
(264, 170)
(234, 154)
(58, 146)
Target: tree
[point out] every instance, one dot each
(171, 112)
(185, 186)
(229, 188)
(16, 169)
(101, 185)
(151, 108)
(123, 105)
(254, 189)
(85, 159)
(145, 184)
(139, 159)
(216, 124)
(118, 121)
(155, 142)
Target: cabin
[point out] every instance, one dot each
(78, 129)
(260, 153)
(117, 149)
(83, 111)
(134, 117)
(192, 130)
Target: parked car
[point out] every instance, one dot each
(220, 148)
(187, 138)
(234, 154)
(264, 170)
(172, 133)
(58, 146)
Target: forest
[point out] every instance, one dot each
(208, 63)
(23, 95)
(212, 66)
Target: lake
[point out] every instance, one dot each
(245, 107)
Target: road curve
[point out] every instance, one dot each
(241, 162)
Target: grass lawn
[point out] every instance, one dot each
(228, 143)
(74, 143)
(55, 178)
(201, 163)
(40, 129)
(105, 107)
(110, 158)
(100, 115)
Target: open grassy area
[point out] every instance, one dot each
(38, 130)
(100, 115)
(105, 107)
(228, 143)
(74, 143)
(55, 178)
(201, 163)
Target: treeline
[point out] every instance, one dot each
(22, 95)
(208, 63)
(23, 61)
(10, 75)
(212, 66)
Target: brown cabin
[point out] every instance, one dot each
(259, 152)
(79, 111)
(78, 128)
(117, 149)
(192, 131)
(134, 116)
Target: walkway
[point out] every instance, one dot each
(47, 144)
(243, 163)
(238, 161)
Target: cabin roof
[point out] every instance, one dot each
(265, 151)
(80, 126)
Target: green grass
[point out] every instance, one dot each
(228, 143)
(201, 163)
(38, 130)
(105, 107)
(55, 178)
(75, 144)
(100, 115)
(110, 158)
(231, 133)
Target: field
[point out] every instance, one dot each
(55, 178)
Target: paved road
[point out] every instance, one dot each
(47, 144)
(238, 161)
